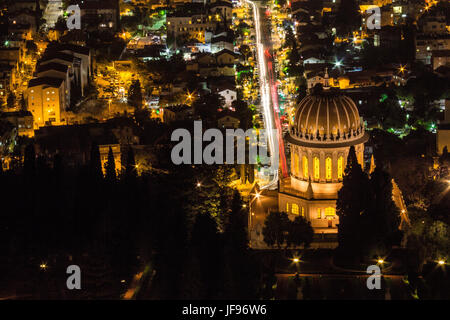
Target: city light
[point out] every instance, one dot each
(380, 261)
(296, 260)
(441, 262)
(265, 91)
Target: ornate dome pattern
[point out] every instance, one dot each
(327, 117)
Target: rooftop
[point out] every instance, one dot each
(52, 82)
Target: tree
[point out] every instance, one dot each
(236, 227)
(61, 24)
(11, 100)
(445, 155)
(31, 47)
(244, 114)
(207, 107)
(207, 246)
(300, 233)
(382, 217)
(275, 228)
(29, 162)
(135, 95)
(351, 204)
(245, 51)
(95, 164)
(110, 167)
(130, 169)
(348, 17)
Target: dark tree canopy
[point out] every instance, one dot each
(351, 204)
(110, 166)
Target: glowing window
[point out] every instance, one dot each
(296, 164)
(316, 168)
(305, 167)
(287, 207)
(303, 211)
(328, 168)
(319, 213)
(330, 212)
(294, 209)
(340, 167)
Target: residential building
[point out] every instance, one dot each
(46, 101)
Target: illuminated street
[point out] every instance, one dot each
(197, 154)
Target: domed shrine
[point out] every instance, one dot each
(326, 124)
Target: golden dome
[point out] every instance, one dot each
(327, 116)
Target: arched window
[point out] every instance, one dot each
(305, 167)
(316, 168)
(328, 168)
(295, 209)
(340, 166)
(296, 165)
(330, 212)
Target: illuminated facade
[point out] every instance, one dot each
(325, 126)
(46, 101)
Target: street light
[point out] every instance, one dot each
(441, 262)
(199, 184)
(296, 260)
(257, 196)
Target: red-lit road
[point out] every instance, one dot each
(268, 92)
(276, 110)
(265, 93)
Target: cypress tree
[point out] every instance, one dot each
(110, 167)
(236, 228)
(351, 204)
(383, 217)
(95, 165)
